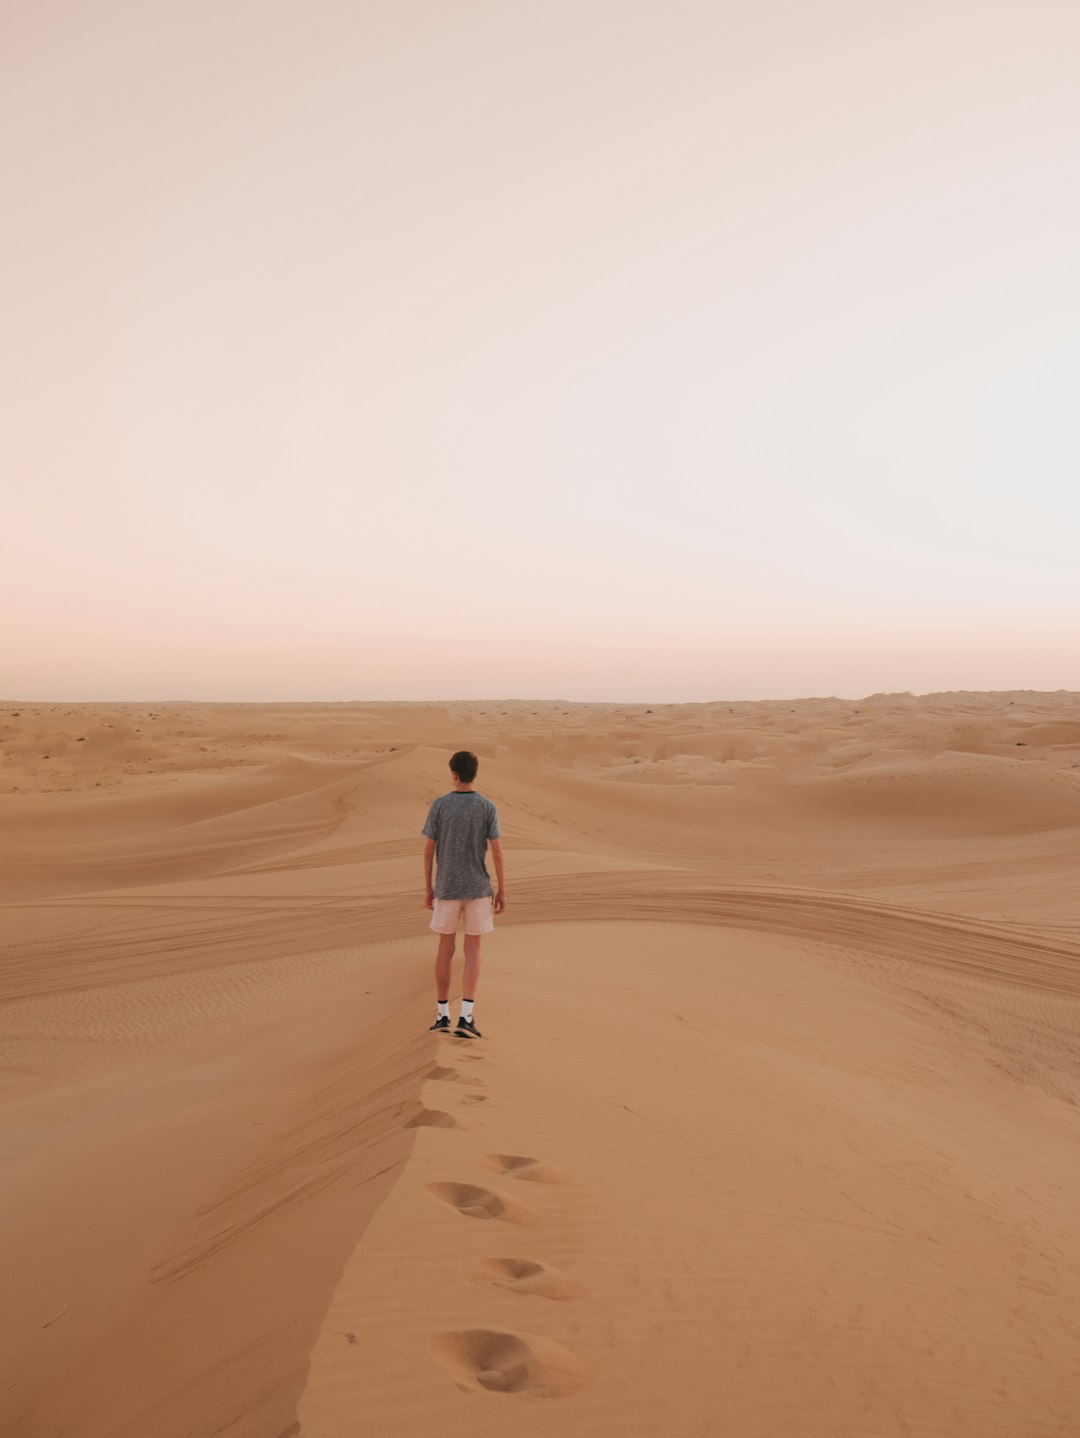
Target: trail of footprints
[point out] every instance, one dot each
(485, 1359)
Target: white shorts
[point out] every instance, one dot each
(446, 915)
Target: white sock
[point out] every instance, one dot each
(466, 1010)
(444, 1008)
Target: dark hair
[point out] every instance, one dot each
(465, 765)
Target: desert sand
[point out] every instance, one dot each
(773, 1129)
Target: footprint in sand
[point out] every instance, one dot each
(474, 1098)
(523, 1275)
(517, 1165)
(486, 1360)
(432, 1118)
(473, 1202)
(438, 1073)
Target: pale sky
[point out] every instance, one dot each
(589, 349)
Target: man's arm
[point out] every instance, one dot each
(429, 857)
(500, 877)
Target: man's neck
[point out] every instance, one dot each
(463, 789)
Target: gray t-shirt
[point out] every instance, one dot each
(461, 823)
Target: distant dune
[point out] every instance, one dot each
(955, 794)
(773, 1129)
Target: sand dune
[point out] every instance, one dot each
(951, 794)
(773, 1128)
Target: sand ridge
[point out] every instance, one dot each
(774, 1117)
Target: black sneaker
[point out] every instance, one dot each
(441, 1026)
(466, 1029)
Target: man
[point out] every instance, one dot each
(459, 827)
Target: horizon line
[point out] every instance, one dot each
(581, 703)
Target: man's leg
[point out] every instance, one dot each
(466, 1028)
(471, 976)
(443, 959)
